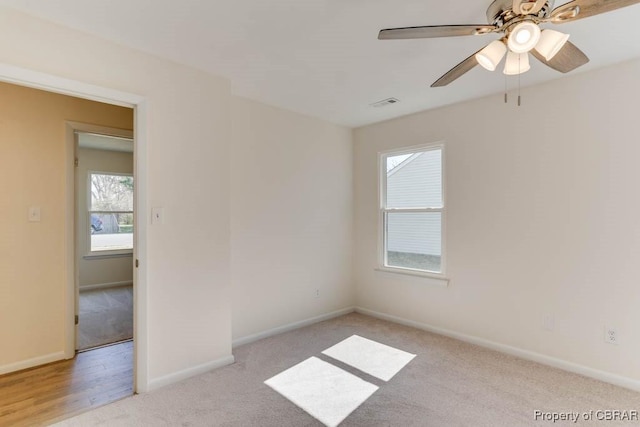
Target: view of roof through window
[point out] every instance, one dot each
(395, 161)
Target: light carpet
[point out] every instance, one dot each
(327, 393)
(448, 383)
(105, 316)
(380, 360)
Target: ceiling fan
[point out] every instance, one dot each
(518, 22)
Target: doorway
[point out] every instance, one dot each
(104, 200)
(82, 90)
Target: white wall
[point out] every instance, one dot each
(543, 216)
(291, 217)
(188, 134)
(98, 271)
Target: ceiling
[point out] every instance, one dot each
(322, 57)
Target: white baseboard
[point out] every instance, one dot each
(291, 326)
(30, 363)
(189, 372)
(105, 285)
(514, 351)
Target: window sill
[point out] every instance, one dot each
(437, 279)
(108, 254)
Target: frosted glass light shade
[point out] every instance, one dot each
(491, 55)
(523, 37)
(550, 43)
(517, 63)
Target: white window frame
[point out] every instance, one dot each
(383, 210)
(104, 253)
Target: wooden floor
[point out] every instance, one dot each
(39, 396)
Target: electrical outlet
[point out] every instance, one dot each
(611, 335)
(157, 215)
(548, 322)
(317, 293)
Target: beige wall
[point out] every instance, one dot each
(99, 271)
(291, 217)
(33, 282)
(543, 216)
(187, 301)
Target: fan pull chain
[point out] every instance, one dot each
(519, 74)
(505, 89)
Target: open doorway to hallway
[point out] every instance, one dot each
(37, 279)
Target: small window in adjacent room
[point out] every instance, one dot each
(412, 209)
(110, 212)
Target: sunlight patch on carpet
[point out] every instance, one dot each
(326, 392)
(371, 357)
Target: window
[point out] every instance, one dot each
(412, 209)
(110, 212)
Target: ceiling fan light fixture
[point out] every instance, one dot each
(517, 63)
(523, 37)
(491, 55)
(550, 43)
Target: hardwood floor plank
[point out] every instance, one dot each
(38, 396)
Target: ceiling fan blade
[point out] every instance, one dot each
(435, 31)
(457, 71)
(578, 9)
(567, 59)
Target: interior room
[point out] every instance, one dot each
(335, 221)
(104, 238)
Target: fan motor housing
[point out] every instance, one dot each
(500, 12)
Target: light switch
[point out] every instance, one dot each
(157, 215)
(34, 214)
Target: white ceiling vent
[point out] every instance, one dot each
(385, 102)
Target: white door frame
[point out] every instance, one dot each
(51, 83)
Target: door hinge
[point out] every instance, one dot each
(137, 263)
(77, 319)
(75, 162)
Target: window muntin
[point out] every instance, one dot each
(110, 212)
(412, 209)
